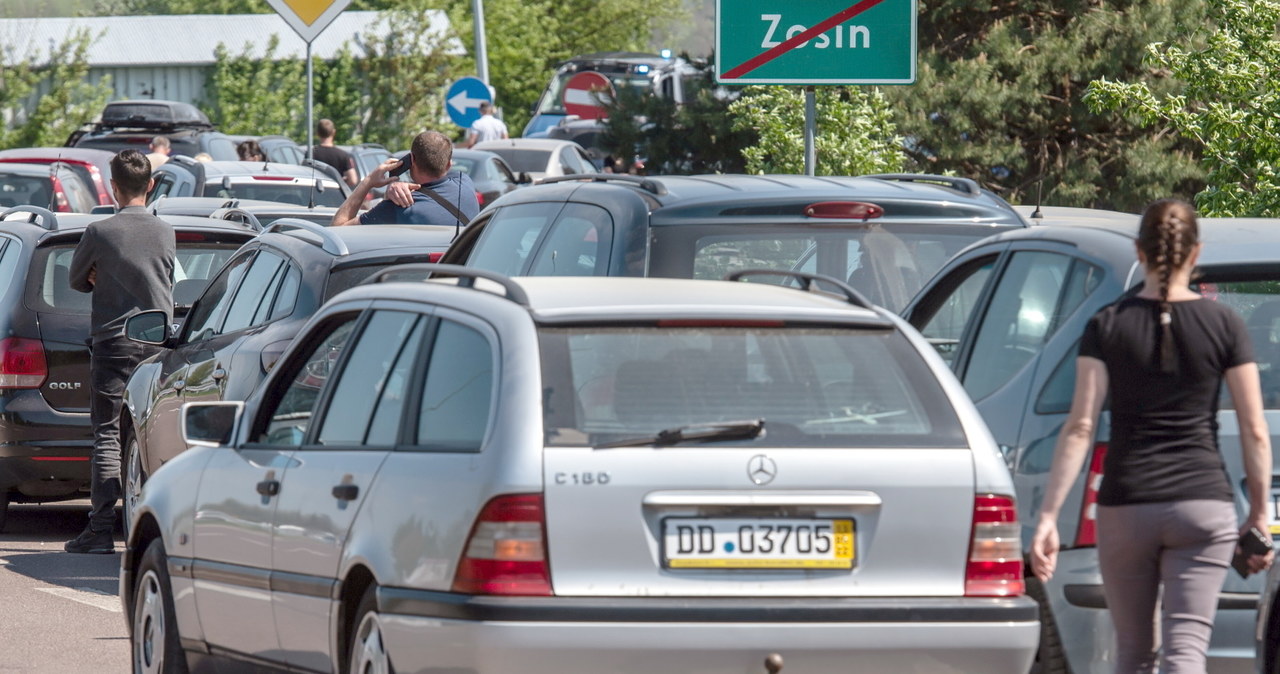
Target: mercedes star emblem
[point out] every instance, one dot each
(761, 469)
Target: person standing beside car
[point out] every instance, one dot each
(487, 127)
(1166, 513)
(160, 149)
(127, 262)
(333, 155)
(437, 196)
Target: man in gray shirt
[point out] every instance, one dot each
(126, 261)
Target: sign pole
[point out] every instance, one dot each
(482, 52)
(810, 131)
(310, 126)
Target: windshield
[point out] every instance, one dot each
(24, 190)
(283, 192)
(813, 387)
(49, 285)
(888, 264)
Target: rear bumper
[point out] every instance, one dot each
(562, 635)
(44, 453)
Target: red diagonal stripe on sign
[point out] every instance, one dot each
(790, 43)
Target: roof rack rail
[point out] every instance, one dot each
(41, 217)
(965, 185)
(240, 215)
(329, 242)
(466, 278)
(647, 184)
(155, 205)
(807, 280)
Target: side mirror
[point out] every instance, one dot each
(211, 424)
(523, 178)
(148, 327)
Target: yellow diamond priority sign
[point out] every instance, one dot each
(309, 18)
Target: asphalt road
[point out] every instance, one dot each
(59, 613)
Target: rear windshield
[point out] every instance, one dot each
(520, 161)
(887, 263)
(297, 194)
(49, 286)
(24, 190)
(814, 387)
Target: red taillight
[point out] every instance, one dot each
(60, 202)
(995, 549)
(435, 257)
(844, 210)
(273, 177)
(22, 363)
(479, 198)
(188, 236)
(507, 551)
(1087, 531)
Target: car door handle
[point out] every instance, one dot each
(346, 492)
(269, 487)
(219, 374)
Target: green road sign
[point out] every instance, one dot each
(816, 42)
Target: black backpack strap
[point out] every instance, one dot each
(453, 210)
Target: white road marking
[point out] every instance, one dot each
(86, 595)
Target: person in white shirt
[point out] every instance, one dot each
(487, 127)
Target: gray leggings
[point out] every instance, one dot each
(1186, 546)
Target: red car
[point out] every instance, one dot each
(93, 166)
(55, 187)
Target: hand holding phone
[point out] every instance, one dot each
(406, 161)
(1252, 542)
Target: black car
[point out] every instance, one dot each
(45, 434)
(131, 125)
(262, 181)
(886, 235)
(245, 319)
(489, 173)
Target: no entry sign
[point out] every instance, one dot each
(816, 42)
(586, 93)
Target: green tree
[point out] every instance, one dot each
(70, 99)
(855, 130)
(252, 95)
(17, 80)
(999, 98)
(527, 39)
(1230, 106)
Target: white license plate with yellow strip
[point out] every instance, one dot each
(758, 543)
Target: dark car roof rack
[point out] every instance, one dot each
(41, 217)
(965, 185)
(329, 242)
(807, 280)
(466, 278)
(647, 184)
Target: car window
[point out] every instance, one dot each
(222, 149)
(501, 172)
(578, 244)
(387, 414)
(1256, 297)
(10, 252)
(298, 194)
(287, 295)
(206, 315)
(509, 237)
(815, 387)
(1018, 321)
(25, 190)
(286, 422)
(1055, 397)
(365, 377)
(76, 193)
(164, 186)
(532, 161)
(568, 162)
(254, 296)
(948, 323)
(458, 390)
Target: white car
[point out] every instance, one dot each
(540, 157)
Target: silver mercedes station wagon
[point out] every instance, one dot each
(562, 475)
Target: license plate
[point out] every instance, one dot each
(694, 543)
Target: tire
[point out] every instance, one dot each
(132, 478)
(154, 646)
(367, 653)
(1051, 658)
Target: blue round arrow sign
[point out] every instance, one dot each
(464, 99)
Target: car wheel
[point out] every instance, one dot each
(1050, 657)
(368, 652)
(156, 649)
(134, 478)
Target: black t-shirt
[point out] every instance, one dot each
(335, 157)
(1164, 426)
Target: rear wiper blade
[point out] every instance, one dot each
(720, 430)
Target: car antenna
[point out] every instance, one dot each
(1037, 214)
(315, 183)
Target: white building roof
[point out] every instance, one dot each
(188, 39)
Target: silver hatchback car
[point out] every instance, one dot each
(585, 475)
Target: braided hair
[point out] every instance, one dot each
(1167, 236)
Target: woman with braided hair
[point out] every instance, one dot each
(1166, 514)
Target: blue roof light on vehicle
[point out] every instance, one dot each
(844, 210)
(642, 68)
(666, 54)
